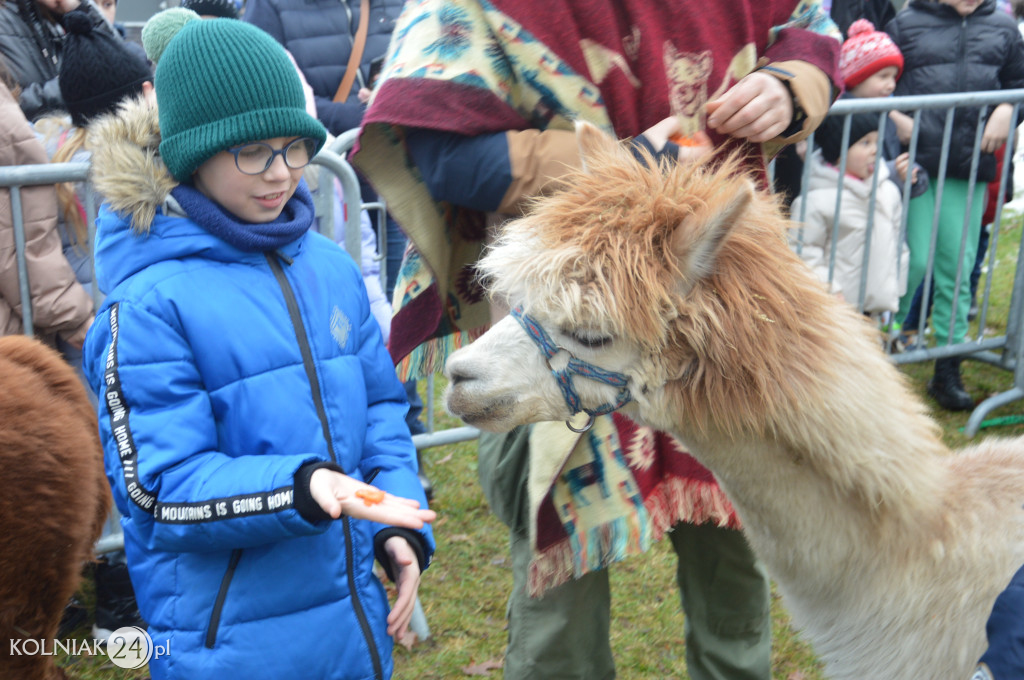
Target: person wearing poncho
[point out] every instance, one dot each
(472, 116)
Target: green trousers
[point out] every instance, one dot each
(951, 229)
(564, 635)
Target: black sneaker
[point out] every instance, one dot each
(115, 601)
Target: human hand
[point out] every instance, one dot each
(364, 94)
(902, 163)
(406, 570)
(757, 108)
(659, 133)
(60, 7)
(904, 126)
(668, 130)
(996, 129)
(336, 494)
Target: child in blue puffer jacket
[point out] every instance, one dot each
(252, 422)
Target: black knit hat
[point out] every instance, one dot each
(829, 137)
(225, 9)
(97, 70)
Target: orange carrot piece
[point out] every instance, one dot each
(370, 496)
(698, 139)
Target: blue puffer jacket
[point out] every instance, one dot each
(944, 53)
(1004, 658)
(319, 34)
(219, 373)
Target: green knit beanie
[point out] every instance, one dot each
(221, 83)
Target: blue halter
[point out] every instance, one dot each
(574, 367)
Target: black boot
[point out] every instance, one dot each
(946, 387)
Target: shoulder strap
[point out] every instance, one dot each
(357, 53)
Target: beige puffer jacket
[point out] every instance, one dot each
(60, 306)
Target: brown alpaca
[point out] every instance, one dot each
(55, 498)
(888, 548)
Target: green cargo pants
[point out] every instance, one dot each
(564, 635)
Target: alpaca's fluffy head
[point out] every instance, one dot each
(677, 275)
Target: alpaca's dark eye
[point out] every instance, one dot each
(590, 339)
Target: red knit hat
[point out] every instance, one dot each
(866, 52)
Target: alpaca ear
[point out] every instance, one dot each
(593, 143)
(697, 241)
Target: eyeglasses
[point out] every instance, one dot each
(255, 158)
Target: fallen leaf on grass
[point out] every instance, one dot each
(483, 668)
(443, 460)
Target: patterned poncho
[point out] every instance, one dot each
(478, 66)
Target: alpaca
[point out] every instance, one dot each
(54, 503)
(887, 548)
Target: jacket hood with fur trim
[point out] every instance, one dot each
(126, 166)
(139, 223)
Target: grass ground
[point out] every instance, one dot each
(465, 590)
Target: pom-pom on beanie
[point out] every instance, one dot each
(829, 135)
(161, 27)
(225, 9)
(97, 69)
(221, 83)
(866, 52)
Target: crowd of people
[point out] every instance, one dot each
(260, 475)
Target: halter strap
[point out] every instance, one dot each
(574, 367)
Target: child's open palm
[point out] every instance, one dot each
(339, 494)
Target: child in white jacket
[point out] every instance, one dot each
(873, 285)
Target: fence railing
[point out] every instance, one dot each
(1004, 350)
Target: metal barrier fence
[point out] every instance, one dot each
(1005, 350)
